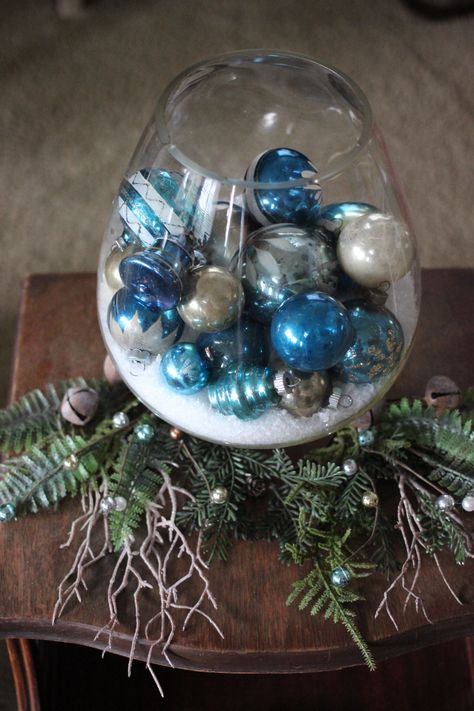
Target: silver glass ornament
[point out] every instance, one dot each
(445, 502)
(370, 500)
(120, 503)
(7, 512)
(306, 394)
(120, 420)
(340, 577)
(280, 261)
(107, 505)
(212, 299)
(219, 495)
(350, 467)
(375, 249)
(112, 263)
(468, 503)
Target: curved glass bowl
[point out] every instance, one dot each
(258, 283)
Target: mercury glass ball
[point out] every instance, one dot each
(375, 249)
(212, 299)
(112, 264)
(334, 217)
(283, 260)
(307, 395)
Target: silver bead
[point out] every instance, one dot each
(7, 512)
(120, 420)
(219, 495)
(375, 248)
(468, 503)
(71, 462)
(350, 467)
(445, 502)
(370, 500)
(144, 432)
(120, 503)
(212, 300)
(107, 505)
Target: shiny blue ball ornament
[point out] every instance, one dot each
(311, 332)
(340, 577)
(366, 438)
(144, 432)
(152, 205)
(155, 277)
(184, 369)
(299, 205)
(377, 346)
(244, 391)
(246, 343)
(335, 216)
(7, 512)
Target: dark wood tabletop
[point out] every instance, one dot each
(58, 337)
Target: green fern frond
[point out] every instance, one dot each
(349, 502)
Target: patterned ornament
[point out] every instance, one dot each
(349, 467)
(120, 420)
(7, 512)
(71, 462)
(306, 394)
(282, 260)
(244, 391)
(144, 432)
(375, 249)
(442, 393)
(155, 277)
(311, 332)
(340, 577)
(219, 495)
(153, 204)
(112, 264)
(445, 502)
(228, 235)
(79, 405)
(212, 300)
(299, 205)
(334, 217)
(370, 500)
(366, 438)
(377, 347)
(184, 369)
(245, 343)
(468, 503)
(137, 328)
(107, 505)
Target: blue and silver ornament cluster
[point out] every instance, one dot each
(278, 296)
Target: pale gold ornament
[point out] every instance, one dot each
(112, 264)
(212, 300)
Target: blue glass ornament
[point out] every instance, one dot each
(377, 346)
(185, 369)
(152, 205)
(282, 260)
(155, 277)
(337, 215)
(299, 205)
(244, 391)
(311, 331)
(366, 438)
(246, 343)
(340, 577)
(7, 512)
(135, 327)
(144, 432)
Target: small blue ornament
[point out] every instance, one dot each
(135, 327)
(155, 277)
(337, 215)
(244, 391)
(340, 577)
(144, 432)
(311, 332)
(246, 343)
(185, 369)
(377, 347)
(299, 205)
(152, 205)
(366, 438)
(7, 512)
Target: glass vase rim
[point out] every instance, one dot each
(190, 164)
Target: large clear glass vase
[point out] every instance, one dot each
(258, 283)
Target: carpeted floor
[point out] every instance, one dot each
(75, 96)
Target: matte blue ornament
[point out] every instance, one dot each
(155, 277)
(246, 343)
(377, 347)
(153, 205)
(7, 512)
(340, 577)
(185, 369)
(366, 438)
(135, 327)
(282, 260)
(337, 215)
(144, 432)
(311, 331)
(244, 391)
(299, 205)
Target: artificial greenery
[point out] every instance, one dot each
(309, 505)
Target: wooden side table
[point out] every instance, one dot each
(57, 338)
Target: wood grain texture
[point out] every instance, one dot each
(58, 337)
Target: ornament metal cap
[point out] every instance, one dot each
(284, 381)
(337, 399)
